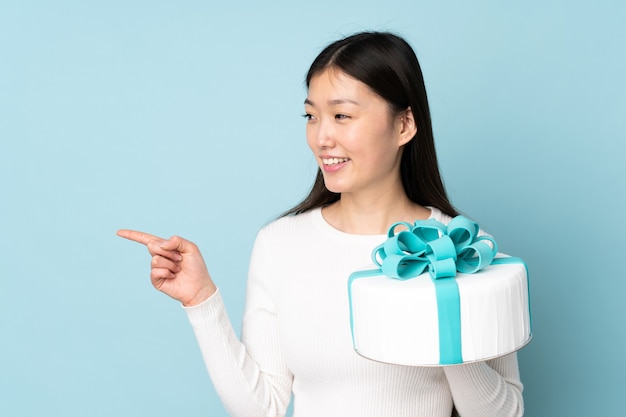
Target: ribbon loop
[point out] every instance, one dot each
(428, 230)
(462, 231)
(392, 229)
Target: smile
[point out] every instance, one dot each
(334, 161)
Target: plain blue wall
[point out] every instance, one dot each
(183, 117)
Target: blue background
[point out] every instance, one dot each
(183, 118)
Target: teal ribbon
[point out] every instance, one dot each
(429, 245)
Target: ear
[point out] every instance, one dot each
(407, 126)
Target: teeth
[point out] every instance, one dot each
(333, 161)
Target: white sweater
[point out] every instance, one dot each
(296, 338)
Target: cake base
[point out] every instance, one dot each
(396, 321)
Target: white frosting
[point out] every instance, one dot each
(396, 321)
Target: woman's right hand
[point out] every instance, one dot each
(178, 268)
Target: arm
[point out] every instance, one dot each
(248, 386)
(486, 389)
(250, 377)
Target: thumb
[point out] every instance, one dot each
(177, 243)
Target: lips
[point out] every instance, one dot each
(333, 164)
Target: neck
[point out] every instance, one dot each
(372, 214)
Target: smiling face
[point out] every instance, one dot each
(353, 134)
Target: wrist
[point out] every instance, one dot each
(200, 297)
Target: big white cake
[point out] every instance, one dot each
(398, 320)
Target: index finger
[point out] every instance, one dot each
(137, 236)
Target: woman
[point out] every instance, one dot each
(368, 125)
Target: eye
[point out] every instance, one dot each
(308, 116)
(341, 116)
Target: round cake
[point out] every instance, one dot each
(401, 321)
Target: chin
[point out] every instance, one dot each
(335, 189)
(332, 189)
(338, 185)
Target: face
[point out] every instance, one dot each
(355, 138)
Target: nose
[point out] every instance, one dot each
(321, 135)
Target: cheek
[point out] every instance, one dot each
(384, 151)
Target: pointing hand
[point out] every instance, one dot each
(178, 268)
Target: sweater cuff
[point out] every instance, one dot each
(207, 312)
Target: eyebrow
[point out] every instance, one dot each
(333, 102)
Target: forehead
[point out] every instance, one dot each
(333, 86)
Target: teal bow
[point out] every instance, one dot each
(431, 245)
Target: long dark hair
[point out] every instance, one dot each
(387, 64)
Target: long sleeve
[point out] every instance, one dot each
(487, 389)
(249, 375)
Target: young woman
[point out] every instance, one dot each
(368, 125)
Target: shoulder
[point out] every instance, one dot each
(285, 237)
(290, 225)
(440, 216)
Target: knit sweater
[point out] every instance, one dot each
(296, 339)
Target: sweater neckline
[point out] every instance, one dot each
(321, 222)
